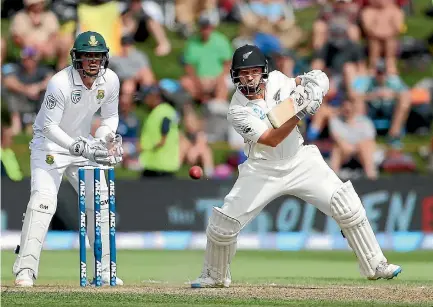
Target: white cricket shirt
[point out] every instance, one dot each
(69, 105)
(249, 119)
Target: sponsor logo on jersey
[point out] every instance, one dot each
(49, 159)
(259, 112)
(277, 96)
(50, 102)
(76, 96)
(101, 95)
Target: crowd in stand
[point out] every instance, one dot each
(356, 42)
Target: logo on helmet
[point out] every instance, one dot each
(246, 55)
(92, 41)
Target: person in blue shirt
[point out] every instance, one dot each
(386, 100)
(128, 126)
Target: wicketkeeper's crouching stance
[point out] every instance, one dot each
(61, 144)
(265, 110)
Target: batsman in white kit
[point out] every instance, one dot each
(62, 143)
(265, 111)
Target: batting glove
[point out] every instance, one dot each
(314, 97)
(317, 77)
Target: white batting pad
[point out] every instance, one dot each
(39, 213)
(222, 233)
(349, 213)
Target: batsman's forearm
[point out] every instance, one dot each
(273, 137)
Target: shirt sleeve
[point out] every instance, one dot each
(165, 127)
(286, 82)
(52, 108)
(110, 109)
(9, 70)
(246, 123)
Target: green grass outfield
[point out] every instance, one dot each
(260, 278)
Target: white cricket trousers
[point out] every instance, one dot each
(47, 175)
(306, 176)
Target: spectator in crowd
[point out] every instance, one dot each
(430, 162)
(142, 18)
(132, 65)
(343, 12)
(159, 140)
(271, 23)
(382, 22)
(330, 106)
(9, 164)
(286, 61)
(194, 146)
(229, 10)
(128, 127)
(25, 85)
(3, 51)
(386, 100)
(36, 27)
(188, 12)
(207, 59)
(354, 136)
(104, 17)
(339, 57)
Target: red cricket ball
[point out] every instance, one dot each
(195, 172)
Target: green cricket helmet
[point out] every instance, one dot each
(89, 42)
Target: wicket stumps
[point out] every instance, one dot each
(97, 247)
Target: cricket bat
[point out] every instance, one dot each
(287, 108)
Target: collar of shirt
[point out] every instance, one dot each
(244, 100)
(78, 81)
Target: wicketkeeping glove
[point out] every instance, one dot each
(95, 151)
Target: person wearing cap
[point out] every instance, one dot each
(62, 143)
(37, 27)
(132, 65)
(207, 58)
(25, 84)
(386, 100)
(159, 139)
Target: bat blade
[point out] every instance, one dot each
(281, 113)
